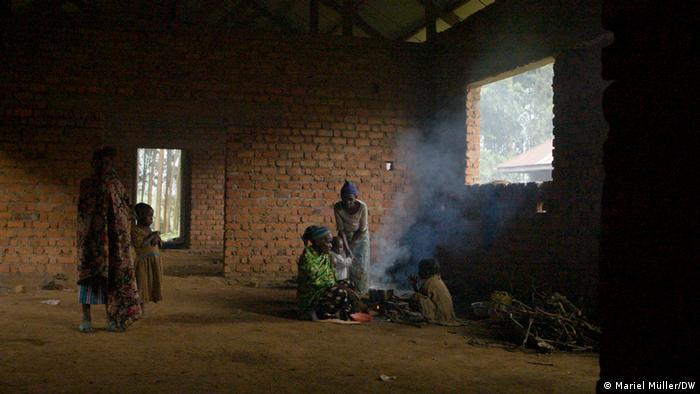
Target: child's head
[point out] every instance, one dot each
(336, 245)
(144, 214)
(428, 268)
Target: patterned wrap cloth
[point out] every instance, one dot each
(106, 257)
(359, 270)
(318, 289)
(316, 275)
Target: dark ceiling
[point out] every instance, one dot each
(400, 20)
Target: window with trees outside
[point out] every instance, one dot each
(516, 131)
(159, 184)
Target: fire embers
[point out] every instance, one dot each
(384, 305)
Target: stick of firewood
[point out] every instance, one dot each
(570, 345)
(527, 333)
(540, 363)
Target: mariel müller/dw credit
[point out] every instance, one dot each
(648, 385)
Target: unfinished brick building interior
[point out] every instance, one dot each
(275, 103)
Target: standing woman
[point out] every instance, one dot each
(106, 261)
(351, 220)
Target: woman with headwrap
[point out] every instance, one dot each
(351, 220)
(106, 262)
(319, 295)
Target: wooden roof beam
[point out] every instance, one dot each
(358, 21)
(448, 16)
(314, 16)
(339, 24)
(430, 20)
(235, 12)
(348, 13)
(279, 21)
(5, 18)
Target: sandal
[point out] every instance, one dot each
(112, 326)
(85, 326)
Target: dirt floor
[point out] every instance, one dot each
(211, 336)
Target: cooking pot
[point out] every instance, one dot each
(380, 295)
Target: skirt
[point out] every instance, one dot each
(93, 293)
(149, 276)
(359, 271)
(338, 301)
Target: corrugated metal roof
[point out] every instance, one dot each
(537, 158)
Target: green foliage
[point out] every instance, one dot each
(516, 115)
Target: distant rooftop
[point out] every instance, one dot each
(538, 158)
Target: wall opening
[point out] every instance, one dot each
(159, 180)
(509, 127)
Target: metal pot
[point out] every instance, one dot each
(380, 295)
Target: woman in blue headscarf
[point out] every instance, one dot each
(319, 295)
(352, 221)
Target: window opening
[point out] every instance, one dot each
(515, 130)
(159, 184)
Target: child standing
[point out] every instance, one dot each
(340, 261)
(149, 271)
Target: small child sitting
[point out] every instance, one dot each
(149, 270)
(432, 299)
(340, 261)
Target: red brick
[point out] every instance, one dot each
(261, 168)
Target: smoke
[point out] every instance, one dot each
(429, 215)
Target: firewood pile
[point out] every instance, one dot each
(399, 311)
(550, 322)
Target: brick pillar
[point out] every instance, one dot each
(649, 258)
(473, 135)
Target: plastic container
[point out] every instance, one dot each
(481, 308)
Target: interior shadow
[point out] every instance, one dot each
(181, 264)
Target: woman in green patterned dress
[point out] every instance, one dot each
(319, 295)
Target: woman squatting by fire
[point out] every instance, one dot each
(320, 296)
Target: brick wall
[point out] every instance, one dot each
(558, 249)
(285, 169)
(574, 198)
(39, 179)
(473, 131)
(273, 125)
(649, 264)
(512, 244)
(508, 244)
(204, 147)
